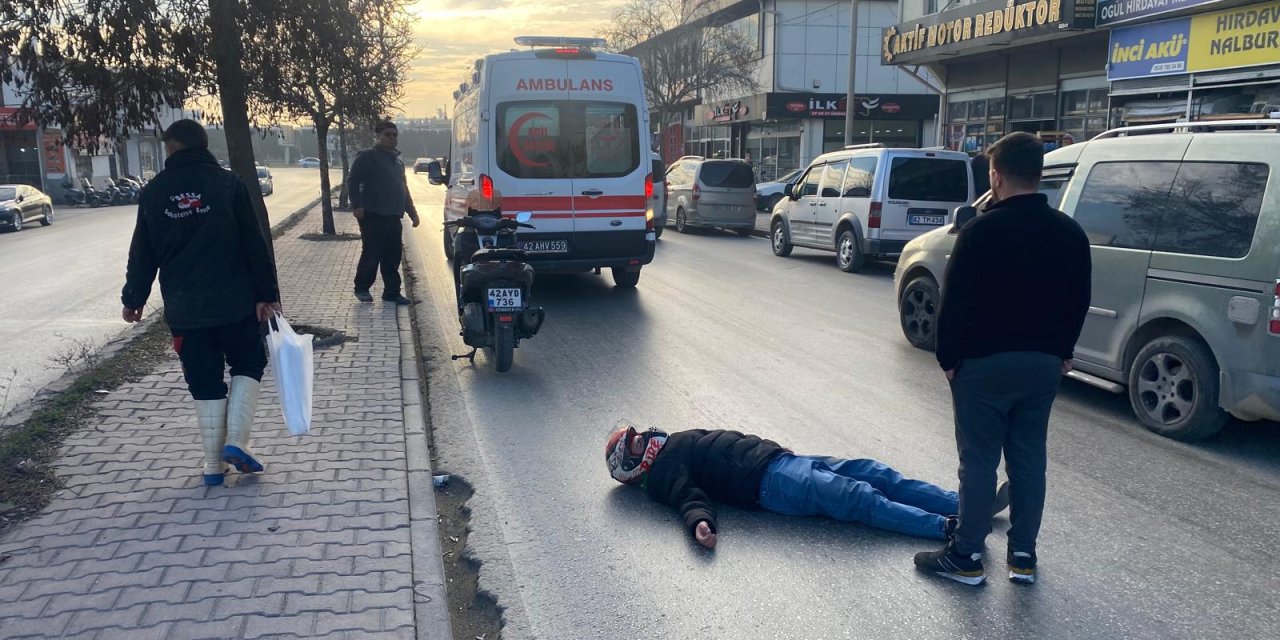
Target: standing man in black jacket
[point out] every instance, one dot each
(197, 228)
(1013, 303)
(688, 469)
(380, 196)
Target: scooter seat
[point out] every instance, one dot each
(494, 255)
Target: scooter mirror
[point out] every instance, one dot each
(524, 216)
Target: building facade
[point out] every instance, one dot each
(802, 73)
(1071, 69)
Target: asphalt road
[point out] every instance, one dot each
(1143, 537)
(61, 284)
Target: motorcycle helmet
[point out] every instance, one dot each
(624, 464)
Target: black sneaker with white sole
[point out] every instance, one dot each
(1022, 567)
(952, 565)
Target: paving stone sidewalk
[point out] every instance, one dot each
(322, 545)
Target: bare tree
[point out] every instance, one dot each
(686, 55)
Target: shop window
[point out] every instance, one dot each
(958, 111)
(1020, 107)
(1084, 113)
(1043, 106)
(995, 108)
(977, 109)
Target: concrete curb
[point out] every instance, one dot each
(430, 602)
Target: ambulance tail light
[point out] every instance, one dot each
(648, 187)
(873, 218)
(486, 186)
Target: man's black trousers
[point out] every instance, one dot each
(380, 247)
(1002, 403)
(205, 354)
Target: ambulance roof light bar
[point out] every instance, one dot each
(561, 42)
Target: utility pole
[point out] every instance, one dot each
(853, 73)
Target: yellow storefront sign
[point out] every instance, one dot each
(1240, 37)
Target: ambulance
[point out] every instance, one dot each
(560, 130)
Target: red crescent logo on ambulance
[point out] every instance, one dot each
(513, 139)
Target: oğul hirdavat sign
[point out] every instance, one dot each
(975, 26)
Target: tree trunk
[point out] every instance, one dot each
(344, 201)
(326, 203)
(224, 16)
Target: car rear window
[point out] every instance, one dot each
(567, 139)
(728, 175)
(929, 179)
(262, 172)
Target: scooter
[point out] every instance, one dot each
(493, 288)
(75, 197)
(92, 196)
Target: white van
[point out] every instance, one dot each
(559, 130)
(867, 201)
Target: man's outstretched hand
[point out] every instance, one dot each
(704, 535)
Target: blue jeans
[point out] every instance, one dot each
(863, 491)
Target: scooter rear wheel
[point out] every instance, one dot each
(504, 344)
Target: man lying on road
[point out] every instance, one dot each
(689, 469)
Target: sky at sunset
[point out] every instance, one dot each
(453, 33)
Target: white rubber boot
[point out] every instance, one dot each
(242, 403)
(212, 417)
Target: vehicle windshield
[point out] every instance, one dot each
(263, 173)
(716, 173)
(559, 139)
(8, 193)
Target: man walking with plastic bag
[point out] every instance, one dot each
(197, 227)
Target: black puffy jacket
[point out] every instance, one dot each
(697, 466)
(197, 227)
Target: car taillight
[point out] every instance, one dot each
(486, 187)
(697, 192)
(873, 219)
(648, 187)
(1275, 312)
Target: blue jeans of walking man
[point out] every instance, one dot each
(865, 491)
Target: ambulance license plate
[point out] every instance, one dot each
(545, 246)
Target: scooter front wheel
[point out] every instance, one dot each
(504, 345)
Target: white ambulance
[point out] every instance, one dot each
(559, 130)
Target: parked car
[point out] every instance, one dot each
(309, 163)
(866, 202)
(712, 193)
(1185, 309)
(421, 165)
(265, 182)
(659, 200)
(20, 204)
(769, 194)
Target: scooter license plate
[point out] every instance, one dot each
(505, 299)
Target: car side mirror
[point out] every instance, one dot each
(964, 215)
(524, 216)
(435, 173)
(789, 191)
(21, 198)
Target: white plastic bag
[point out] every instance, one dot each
(295, 371)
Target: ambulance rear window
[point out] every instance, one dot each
(563, 139)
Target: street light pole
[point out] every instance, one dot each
(853, 72)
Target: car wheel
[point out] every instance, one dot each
(48, 216)
(1173, 387)
(624, 279)
(17, 222)
(918, 312)
(681, 225)
(781, 243)
(657, 232)
(849, 255)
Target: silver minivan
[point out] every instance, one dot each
(711, 193)
(867, 201)
(1184, 223)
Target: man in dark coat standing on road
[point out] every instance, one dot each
(197, 228)
(1013, 304)
(380, 196)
